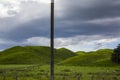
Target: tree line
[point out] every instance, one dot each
(116, 55)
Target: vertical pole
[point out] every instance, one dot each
(52, 42)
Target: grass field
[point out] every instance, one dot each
(94, 65)
(37, 72)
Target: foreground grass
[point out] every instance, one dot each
(36, 72)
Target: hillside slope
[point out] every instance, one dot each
(33, 55)
(97, 58)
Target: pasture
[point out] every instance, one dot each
(38, 72)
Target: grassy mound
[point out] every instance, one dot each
(32, 55)
(63, 56)
(97, 58)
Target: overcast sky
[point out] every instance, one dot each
(79, 24)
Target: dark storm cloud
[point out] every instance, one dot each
(81, 11)
(71, 11)
(87, 30)
(30, 29)
(90, 9)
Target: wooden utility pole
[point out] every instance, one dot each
(52, 42)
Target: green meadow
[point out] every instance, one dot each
(32, 63)
(37, 72)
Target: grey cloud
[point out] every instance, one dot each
(88, 29)
(34, 20)
(30, 29)
(74, 9)
(92, 9)
(76, 12)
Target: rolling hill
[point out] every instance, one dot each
(94, 58)
(63, 56)
(33, 55)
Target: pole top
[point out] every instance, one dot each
(52, 1)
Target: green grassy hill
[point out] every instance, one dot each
(96, 58)
(80, 52)
(33, 55)
(63, 56)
